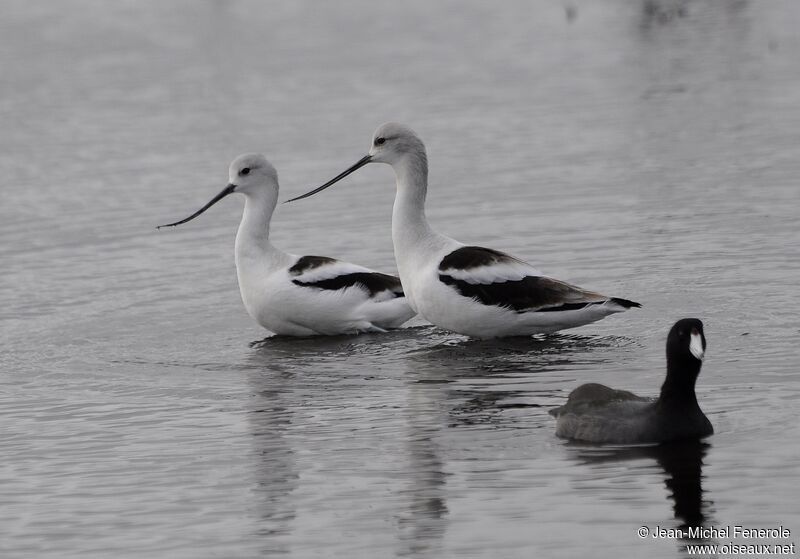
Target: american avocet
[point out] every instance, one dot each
(471, 290)
(600, 414)
(300, 295)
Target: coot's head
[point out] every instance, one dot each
(686, 342)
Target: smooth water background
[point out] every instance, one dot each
(650, 150)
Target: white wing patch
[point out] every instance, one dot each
(499, 272)
(330, 270)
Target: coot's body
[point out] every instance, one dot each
(597, 413)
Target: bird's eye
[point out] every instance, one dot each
(380, 141)
(245, 171)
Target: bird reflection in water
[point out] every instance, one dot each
(271, 419)
(682, 462)
(424, 520)
(452, 394)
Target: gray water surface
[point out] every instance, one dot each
(649, 150)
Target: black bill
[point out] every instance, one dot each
(360, 163)
(225, 191)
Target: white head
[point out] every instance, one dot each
(393, 144)
(249, 174)
(392, 141)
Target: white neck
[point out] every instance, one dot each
(253, 247)
(409, 224)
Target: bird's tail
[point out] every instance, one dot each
(624, 303)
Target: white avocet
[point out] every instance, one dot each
(471, 290)
(300, 295)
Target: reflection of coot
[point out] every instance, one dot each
(682, 462)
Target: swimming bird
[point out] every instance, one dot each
(476, 291)
(300, 295)
(599, 414)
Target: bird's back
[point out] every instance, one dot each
(597, 413)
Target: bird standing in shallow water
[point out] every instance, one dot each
(300, 295)
(599, 414)
(480, 292)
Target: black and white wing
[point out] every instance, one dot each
(491, 277)
(324, 273)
